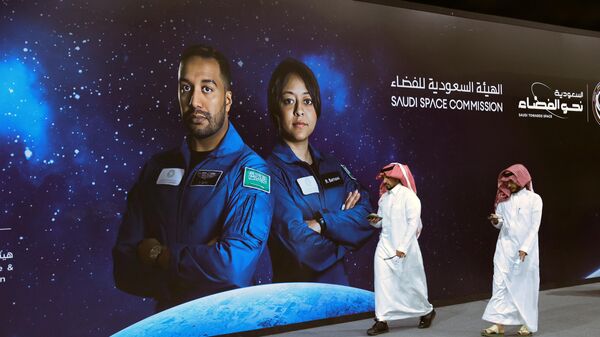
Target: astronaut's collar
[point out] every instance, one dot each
(285, 153)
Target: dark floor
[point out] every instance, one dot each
(564, 312)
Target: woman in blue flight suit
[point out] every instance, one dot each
(320, 209)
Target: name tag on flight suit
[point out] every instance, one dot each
(206, 178)
(332, 179)
(308, 185)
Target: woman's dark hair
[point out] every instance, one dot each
(283, 70)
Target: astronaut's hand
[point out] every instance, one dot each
(163, 259)
(147, 252)
(400, 254)
(351, 200)
(314, 225)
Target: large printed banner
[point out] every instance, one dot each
(88, 94)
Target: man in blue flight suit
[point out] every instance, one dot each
(198, 217)
(320, 209)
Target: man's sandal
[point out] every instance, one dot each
(523, 331)
(492, 331)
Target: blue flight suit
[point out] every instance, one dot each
(298, 253)
(218, 198)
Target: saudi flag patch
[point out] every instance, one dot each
(257, 180)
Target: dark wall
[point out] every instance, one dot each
(88, 94)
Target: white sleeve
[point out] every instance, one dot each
(412, 212)
(499, 211)
(534, 224)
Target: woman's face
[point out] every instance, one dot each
(298, 117)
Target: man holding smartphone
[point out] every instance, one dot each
(516, 283)
(400, 283)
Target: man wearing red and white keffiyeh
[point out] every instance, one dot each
(516, 283)
(400, 283)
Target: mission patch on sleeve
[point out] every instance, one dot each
(257, 180)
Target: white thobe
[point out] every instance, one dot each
(516, 284)
(400, 284)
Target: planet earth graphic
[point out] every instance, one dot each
(594, 274)
(252, 308)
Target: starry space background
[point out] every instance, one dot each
(88, 94)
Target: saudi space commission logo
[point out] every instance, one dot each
(596, 103)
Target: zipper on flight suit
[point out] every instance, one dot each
(178, 224)
(318, 179)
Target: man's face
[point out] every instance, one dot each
(390, 183)
(203, 100)
(512, 186)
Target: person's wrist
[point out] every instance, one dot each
(163, 259)
(322, 223)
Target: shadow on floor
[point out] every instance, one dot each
(573, 292)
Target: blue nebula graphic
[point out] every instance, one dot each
(25, 115)
(333, 83)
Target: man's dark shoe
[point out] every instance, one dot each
(378, 328)
(426, 320)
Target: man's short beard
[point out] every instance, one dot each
(214, 125)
